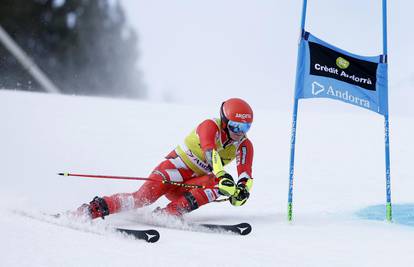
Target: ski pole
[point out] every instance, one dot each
(222, 200)
(135, 178)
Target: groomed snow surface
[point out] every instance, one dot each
(339, 178)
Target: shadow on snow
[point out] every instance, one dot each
(401, 213)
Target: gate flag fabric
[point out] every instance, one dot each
(330, 72)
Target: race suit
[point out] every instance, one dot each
(187, 164)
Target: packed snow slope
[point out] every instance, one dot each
(339, 173)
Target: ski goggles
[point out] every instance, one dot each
(238, 127)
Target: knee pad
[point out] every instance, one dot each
(192, 201)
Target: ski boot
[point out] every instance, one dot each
(95, 209)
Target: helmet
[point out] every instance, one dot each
(236, 115)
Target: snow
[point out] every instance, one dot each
(71, 19)
(58, 3)
(339, 180)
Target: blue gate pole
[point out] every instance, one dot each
(386, 122)
(388, 171)
(294, 120)
(292, 158)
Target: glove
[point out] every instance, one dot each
(226, 185)
(242, 192)
(241, 196)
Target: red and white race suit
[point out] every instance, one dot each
(187, 164)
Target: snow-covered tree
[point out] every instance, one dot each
(84, 46)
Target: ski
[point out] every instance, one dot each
(173, 223)
(240, 229)
(151, 236)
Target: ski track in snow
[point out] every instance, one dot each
(82, 225)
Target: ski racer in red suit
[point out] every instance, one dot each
(199, 160)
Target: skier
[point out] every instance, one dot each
(199, 161)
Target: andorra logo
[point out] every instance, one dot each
(317, 88)
(341, 94)
(342, 63)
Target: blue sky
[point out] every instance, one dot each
(206, 51)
